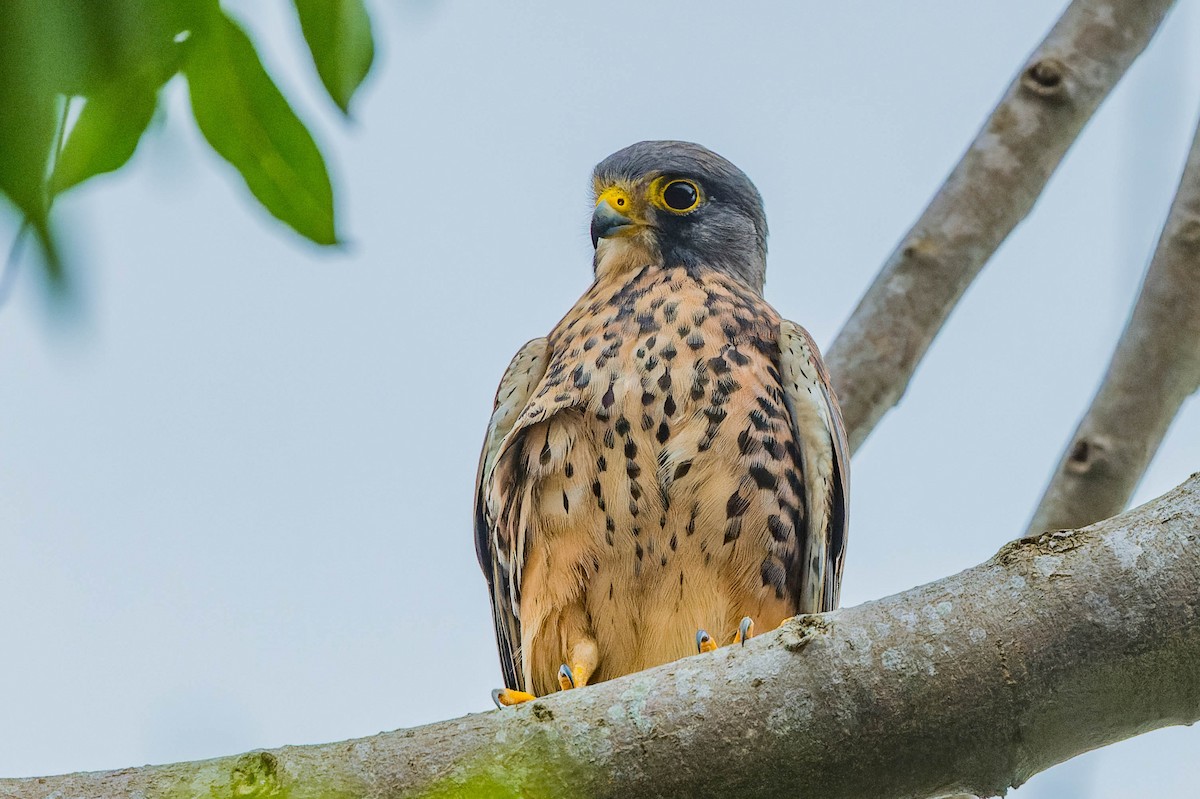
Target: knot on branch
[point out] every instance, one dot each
(256, 776)
(1046, 78)
(1087, 455)
(796, 633)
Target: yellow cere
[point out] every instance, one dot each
(618, 198)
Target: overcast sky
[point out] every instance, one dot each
(235, 493)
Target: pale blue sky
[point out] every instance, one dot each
(235, 495)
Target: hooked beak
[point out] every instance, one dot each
(608, 222)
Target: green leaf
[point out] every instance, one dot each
(106, 134)
(248, 122)
(338, 33)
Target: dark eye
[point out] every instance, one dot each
(680, 195)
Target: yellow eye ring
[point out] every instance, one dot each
(678, 196)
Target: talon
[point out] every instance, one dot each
(745, 630)
(565, 678)
(506, 697)
(704, 641)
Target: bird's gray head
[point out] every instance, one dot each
(680, 204)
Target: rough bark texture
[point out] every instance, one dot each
(1059, 644)
(991, 189)
(1156, 366)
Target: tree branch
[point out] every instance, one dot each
(1156, 366)
(991, 189)
(1059, 644)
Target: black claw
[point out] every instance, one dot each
(744, 628)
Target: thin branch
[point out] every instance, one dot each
(991, 189)
(1156, 366)
(1059, 644)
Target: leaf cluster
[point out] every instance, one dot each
(81, 80)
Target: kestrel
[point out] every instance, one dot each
(670, 460)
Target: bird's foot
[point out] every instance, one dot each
(570, 678)
(745, 630)
(706, 643)
(506, 697)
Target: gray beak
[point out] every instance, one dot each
(606, 222)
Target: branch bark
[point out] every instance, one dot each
(1059, 644)
(992, 188)
(1156, 366)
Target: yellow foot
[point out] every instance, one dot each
(704, 641)
(745, 630)
(570, 678)
(505, 697)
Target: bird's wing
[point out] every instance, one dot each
(520, 379)
(825, 458)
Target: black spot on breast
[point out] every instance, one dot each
(609, 398)
(736, 505)
(544, 455)
(759, 420)
(691, 525)
(729, 329)
(580, 378)
(663, 433)
(669, 352)
(699, 316)
(647, 323)
(602, 463)
(597, 489)
(768, 407)
(778, 527)
(715, 415)
(566, 503)
(632, 469)
(737, 357)
(774, 576)
(622, 426)
(652, 363)
(681, 471)
(747, 443)
(695, 341)
(772, 447)
(591, 342)
(635, 490)
(609, 335)
(630, 449)
(650, 342)
(718, 365)
(569, 470)
(609, 439)
(733, 530)
(611, 350)
(638, 550)
(763, 477)
(674, 542)
(633, 509)
(664, 380)
(670, 311)
(794, 481)
(663, 559)
(647, 398)
(683, 330)
(669, 405)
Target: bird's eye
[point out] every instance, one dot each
(681, 195)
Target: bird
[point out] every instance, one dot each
(668, 468)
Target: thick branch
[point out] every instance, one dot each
(1155, 368)
(991, 189)
(1057, 645)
